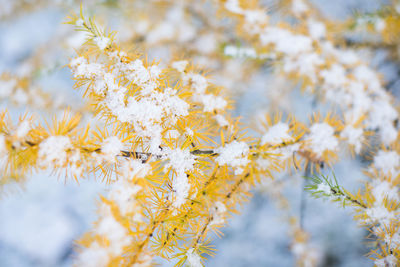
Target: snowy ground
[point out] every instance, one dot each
(39, 222)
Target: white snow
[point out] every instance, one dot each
(181, 186)
(93, 256)
(189, 132)
(240, 52)
(3, 146)
(23, 129)
(387, 162)
(382, 190)
(111, 229)
(180, 65)
(379, 214)
(7, 87)
(285, 41)
(354, 136)
(212, 102)
(316, 29)
(111, 148)
(321, 138)
(221, 120)
(234, 154)
(102, 42)
(379, 25)
(123, 194)
(193, 259)
(299, 7)
(197, 81)
(181, 161)
(324, 188)
(393, 241)
(53, 151)
(79, 22)
(276, 134)
(335, 76)
(388, 261)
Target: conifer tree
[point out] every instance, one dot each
(177, 163)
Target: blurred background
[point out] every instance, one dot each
(41, 218)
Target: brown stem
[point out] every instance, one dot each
(141, 155)
(203, 230)
(236, 186)
(150, 234)
(232, 191)
(354, 201)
